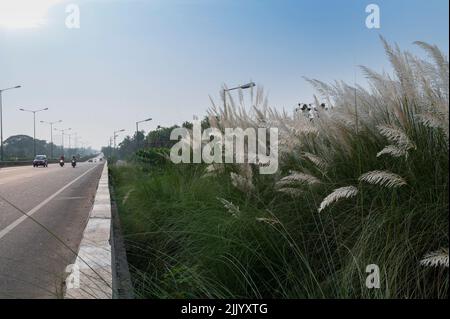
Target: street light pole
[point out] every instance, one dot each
(62, 136)
(83, 145)
(70, 146)
(70, 141)
(242, 87)
(110, 147)
(1, 119)
(34, 124)
(137, 131)
(75, 144)
(51, 135)
(115, 135)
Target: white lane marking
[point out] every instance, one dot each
(14, 224)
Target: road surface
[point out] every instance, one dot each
(32, 260)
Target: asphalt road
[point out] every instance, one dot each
(32, 257)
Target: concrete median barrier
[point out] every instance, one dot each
(91, 275)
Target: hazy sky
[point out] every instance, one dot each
(159, 58)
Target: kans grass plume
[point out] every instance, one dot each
(383, 178)
(337, 194)
(436, 258)
(297, 178)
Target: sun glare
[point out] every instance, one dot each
(24, 13)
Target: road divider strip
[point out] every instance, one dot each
(91, 275)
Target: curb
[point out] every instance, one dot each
(91, 275)
(122, 283)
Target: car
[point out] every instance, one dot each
(40, 160)
(90, 161)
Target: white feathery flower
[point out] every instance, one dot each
(316, 160)
(337, 194)
(396, 135)
(436, 258)
(210, 170)
(297, 178)
(393, 151)
(305, 130)
(245, 170)
(430, 120)
(294, 192)
(231, 208)
(382, 178)
(127, 195)
(213, 169)
(240, 182)
(270, 221)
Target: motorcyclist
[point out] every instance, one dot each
(74, 161)
(61, 160)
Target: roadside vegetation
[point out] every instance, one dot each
(21, 148)
(365, 182)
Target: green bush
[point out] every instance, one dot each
(356, 186)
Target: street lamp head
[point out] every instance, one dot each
(148, 119)
(18, 87)
(46, 109)
(248, 85)
(21, 109)
(10, 88)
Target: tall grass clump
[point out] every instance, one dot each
(363, 182)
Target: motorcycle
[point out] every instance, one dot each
(61, 163)
(74, 163)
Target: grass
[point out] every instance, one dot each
(183, 243)
(195, 235)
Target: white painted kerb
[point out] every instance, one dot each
(93, 264)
